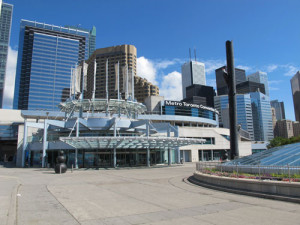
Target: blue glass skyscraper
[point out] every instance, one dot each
(6, 11)
(45, 58)
(262, 117)
(92, 38)
(244, 112)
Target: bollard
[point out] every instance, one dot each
(72, 169)
(59, 169)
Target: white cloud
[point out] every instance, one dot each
(291, 70)
(271, 68)
(166, 63)
(146, 69)
(246, 68)
(212, 65)
(273, 88)
(171, 87)
(10, 78)
(275, 81)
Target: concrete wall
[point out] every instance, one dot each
(269, 187)
(221, 143)
(10, 116)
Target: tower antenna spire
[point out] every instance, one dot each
(190, 54)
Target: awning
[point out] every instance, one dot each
(129, 142)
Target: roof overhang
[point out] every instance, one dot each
(129, 142)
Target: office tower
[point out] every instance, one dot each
(284, 128)
(296, 128)
(125, 55)
(6, 11)
(295, 83)
(45, 58)
(249, 86)
(222, 89)
(279, 109)
(260, 77)
(200, 94)
(244, 112)
(92, 38)
(121, 56)
(192, 73)
(274, 120)
(144, 89)
(262, 117)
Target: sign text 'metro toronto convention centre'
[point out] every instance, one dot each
(189, 105)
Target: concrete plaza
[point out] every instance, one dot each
(128, 196)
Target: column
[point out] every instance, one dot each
(148, 157)
(45, 143)
(24, 142)
(202, 155)
(212, 155)
(115, 157)
(169, 157)
(76, 150)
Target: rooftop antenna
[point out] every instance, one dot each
(190, 54)
(195, 54)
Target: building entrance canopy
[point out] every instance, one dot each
(129, 142)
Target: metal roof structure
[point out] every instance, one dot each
(136, 142)
(110, 106)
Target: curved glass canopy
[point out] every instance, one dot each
(278, 156)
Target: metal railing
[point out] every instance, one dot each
(262, 172)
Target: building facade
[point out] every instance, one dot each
(274, 120)
(244, 112)
(113, 61)
(5, 27)
(222, 89)
(279, 109)
(200, 94)
(260, 77)
(262, 117)
(296, 128)
(284, 128)
(249, 86)
(192, 73)
(92, 38)
(295, 83)
(144, 89)
(117, 64)
(46, 55)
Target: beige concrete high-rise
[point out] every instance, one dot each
(126, 56)
(144, 89)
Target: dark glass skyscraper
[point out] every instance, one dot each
(5, 25)
(45, 58)
(295, 83)
(222, 89)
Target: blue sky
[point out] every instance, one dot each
(266, 35)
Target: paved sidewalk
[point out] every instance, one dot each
(128, 196)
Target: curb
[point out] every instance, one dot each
(195, 181)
